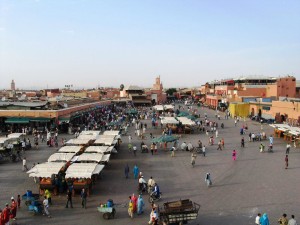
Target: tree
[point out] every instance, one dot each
(171, 91)
(121, 87)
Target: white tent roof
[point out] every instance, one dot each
(105, 141)
(46, 169)
(83, 170)
(70, 149)
(61, 157)
(99, 149)
(168, 107)
(169, 120)
(158, 108)
(3, 139)
(111, 132)
(77, 142)
(90, 132)
(93, 157)
(87, 137)
(186, 121)
(15, 135)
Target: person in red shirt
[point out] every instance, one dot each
(13, 208)
(1, 218)
(6, 214)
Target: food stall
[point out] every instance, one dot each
(111, 132)
(81, 175)
(61, 157)
(46, 173)
(188, 124)
(105, 140)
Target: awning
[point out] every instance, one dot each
(90, 157)
(46, 169)
(39, 119)
(99, 149)
(70, 149)
(61, 157)
(73, 142)
(64, 120)
(169, 120)
(111, 132)
(83, 170)
(17, 120)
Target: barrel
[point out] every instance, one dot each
(110, 203)
(29, 193)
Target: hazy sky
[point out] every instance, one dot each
(92, 42)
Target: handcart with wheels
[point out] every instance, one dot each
(108, 212)
(28, 198)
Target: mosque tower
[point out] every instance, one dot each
(13, 85)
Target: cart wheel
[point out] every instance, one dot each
(150, 199)
(106, 216)
(112, 215)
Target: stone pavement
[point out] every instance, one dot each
(256, 182)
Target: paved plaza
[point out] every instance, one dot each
(256, 182)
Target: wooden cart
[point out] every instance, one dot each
(108, 212)
(178, 212)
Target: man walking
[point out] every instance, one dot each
(219, 145)
(288, 147)
(46, 207)
(83, 198)
(69, 199)
(24, 164)
(243, 142)
(292, 221)
(283, 220)
(286, 161)
(126, 171)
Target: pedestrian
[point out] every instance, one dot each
(288, 147)
(129, 139)
(233, 155)
(24, 164)
(36, 142)
(19, 201)
(217, 133)
(223, 143)
(203, 150)
(283, 220)
(46, 207)
(83, 196)
(134, 148)
(242, 142)
(155, 148)
(130, 208)
(219, 145)
(69, 198)
(208, 179)
(5, 215)
(250, 135)
(286, 161)
(129, 147)
(152, 148)
(13, 209)
(141, 204)
(126, 170)
(135, 171)
(264, 220)
(134, 202)
(172, 151)
(257, 219)
(153, 217)
(48, 195)
(235, 122)
(292, 221)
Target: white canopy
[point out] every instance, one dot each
(70, 149)
(93, 157)
(90, 132)
(46, 169)
(111, 132)
(3, 140)
(169, 120)
(87, 137)
(158, 107)
(15, 135)
(105, 141)
(77, 142)
(186, 121)
(166, 107)
(83, 170)
(61, 157)
(99, 149)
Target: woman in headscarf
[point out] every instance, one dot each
(134, 202)
(264, 220)
(141, 204)
(135, 172)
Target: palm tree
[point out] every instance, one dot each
(121, 87)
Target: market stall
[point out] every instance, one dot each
(79, 142)
(111, 132)
(105, 140)
(61, 157)
(46, 173)
(93, 157)
(82, 175)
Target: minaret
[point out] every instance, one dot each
(13, 85)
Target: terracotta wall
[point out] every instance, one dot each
(261, 92)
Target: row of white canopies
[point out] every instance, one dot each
(287, 128)
(163, 107)
(177, 120)
(85, 161)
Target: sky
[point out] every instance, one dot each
(92, 43)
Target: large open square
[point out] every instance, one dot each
(255, 182)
